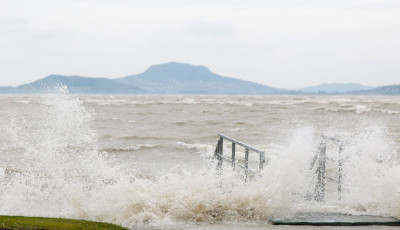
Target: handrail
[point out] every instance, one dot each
(241, 144)
(219, 153)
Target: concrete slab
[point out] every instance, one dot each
(335, 219)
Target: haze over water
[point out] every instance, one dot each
(145, 161)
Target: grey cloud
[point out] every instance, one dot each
(209, 28)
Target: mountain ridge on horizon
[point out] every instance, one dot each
(181, 78)
(76, 85)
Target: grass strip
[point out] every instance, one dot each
(43, 223)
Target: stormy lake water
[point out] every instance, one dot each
(145, 162)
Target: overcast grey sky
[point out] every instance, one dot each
(280, 43)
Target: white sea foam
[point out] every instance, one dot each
(130, 148)
(357, 108)
(388, 111)
(23, 102)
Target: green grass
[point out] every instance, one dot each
(40, 223)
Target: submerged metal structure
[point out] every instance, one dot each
(219, 154)
(318, 193)
(319, 161)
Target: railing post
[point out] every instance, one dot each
(216, 152)
(320, 188)
(340, 172)
(220, 152)
(233, 155)
(262, 161)
(246, 161)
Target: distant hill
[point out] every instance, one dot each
(75, 84)
(335, 88)
(6, 89)
(179, 78)
(383, 90)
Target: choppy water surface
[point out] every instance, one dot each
(145, 161)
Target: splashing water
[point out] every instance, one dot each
(51, 166)
(55, 165)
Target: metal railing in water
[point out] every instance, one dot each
(219, 154)
(319, 160)
(319, 190)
